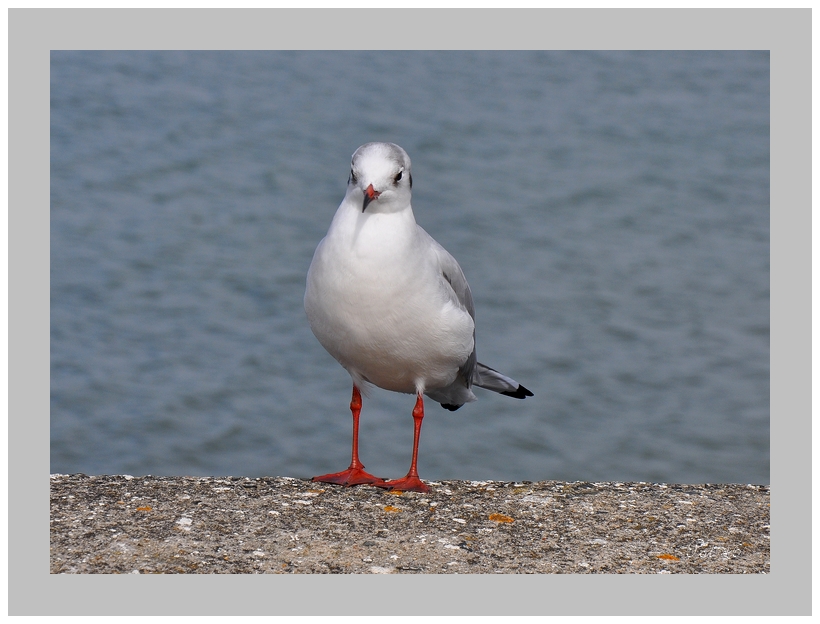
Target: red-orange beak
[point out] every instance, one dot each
(369, 195)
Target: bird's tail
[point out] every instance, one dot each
(490, 379)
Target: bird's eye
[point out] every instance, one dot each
(398, 176)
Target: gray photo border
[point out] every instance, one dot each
(34, 32)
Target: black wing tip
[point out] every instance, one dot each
(450, 407)
(519, 393)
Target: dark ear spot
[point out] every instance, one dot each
(411, 180)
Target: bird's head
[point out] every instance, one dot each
(380, 179)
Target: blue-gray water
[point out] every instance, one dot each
(610, 211)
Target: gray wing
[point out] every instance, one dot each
(460, 294)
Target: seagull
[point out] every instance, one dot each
(393, 306)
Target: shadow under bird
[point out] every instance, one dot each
(393, 306)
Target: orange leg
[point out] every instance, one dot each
(411, 483)
(355, 474)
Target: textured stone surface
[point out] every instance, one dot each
(123, 524)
